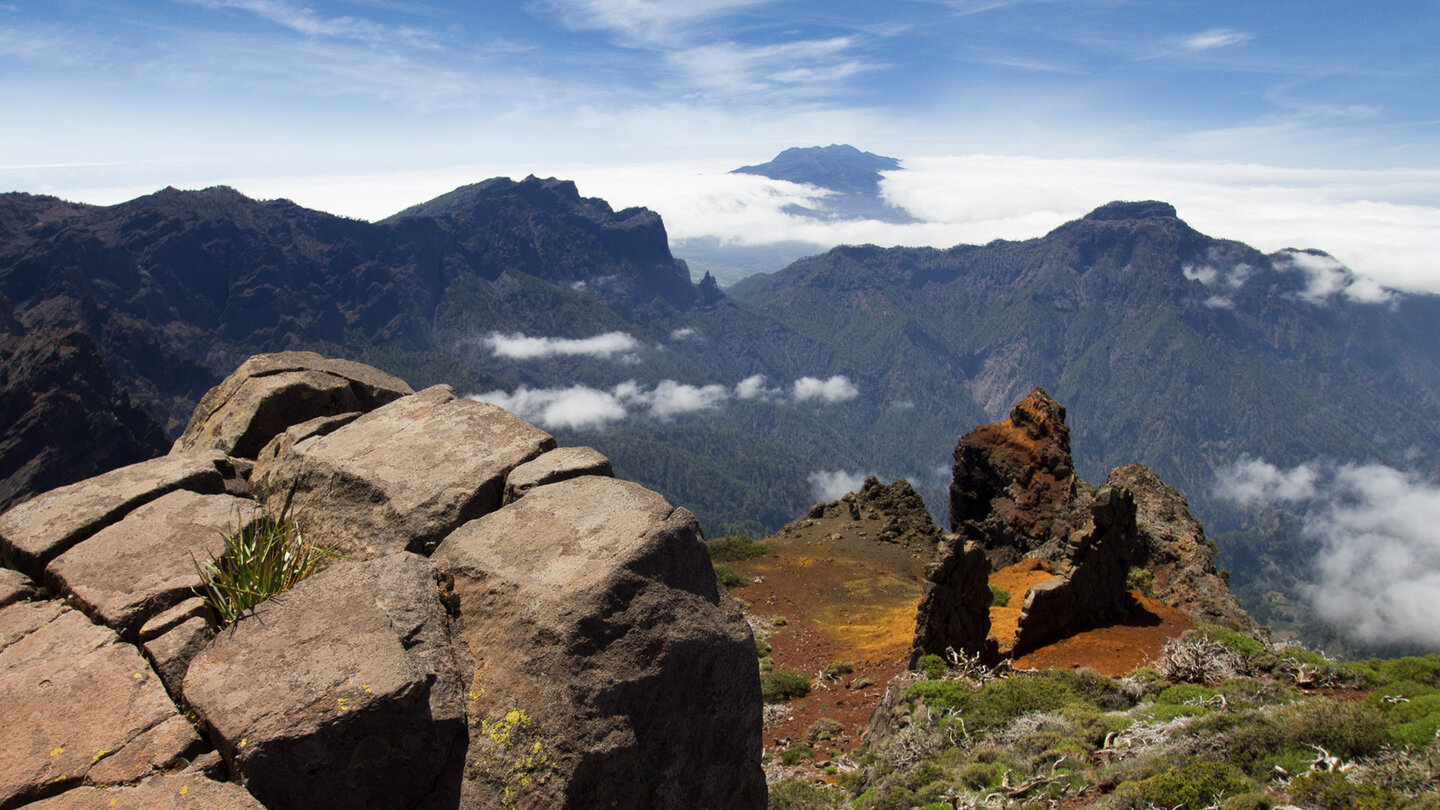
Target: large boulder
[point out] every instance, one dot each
(1090, 580)
(146, 563)
(560, 464)
(171, 791)
(270, 392)
(607, 667)
(402, 476)
(1173, 546)
(40, 529)
(954, 613)
(74, 694)
(343, 693)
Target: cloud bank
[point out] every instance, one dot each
(1377, 573)
(521, 347)
(581, 407)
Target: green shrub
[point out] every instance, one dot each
(1193, 787)
(762, 648)
(824, 729)
(729, 577)
(1140, 579)
(1182, 693)
(736, 547)
(999, 597)
(1332, 791)
(931, 666)
(798, 752)
(779, 621)
(794, 794)
(766, 664)
(999, 702)
(261, 560)
(835, 669)
(1165, 712)
(1248, 801)
(777, 687)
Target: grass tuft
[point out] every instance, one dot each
(262, 559)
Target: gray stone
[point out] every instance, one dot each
(343, 692)
(270, 392)
(73, 694)
(14, 587)
(171, 652)
(955, 609)
(607, 668)
(175, 791)
(35, 532)
(145, 564)
(161, 748)
(293, 435)
(560, 464)
(402, 476)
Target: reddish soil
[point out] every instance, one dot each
(1017, 580)
(847, 597)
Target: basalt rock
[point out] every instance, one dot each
(607, 668)
(270, 392)
(1014, 489)
(901, 511)
(570, 649)
(1173, 546)
(954, 613)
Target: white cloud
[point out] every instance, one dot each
(1219, 302)
(733, 70)
(643, 21)
(1377, 571)
(1205, 274)
(1252, 481)
(1325, 277)
(670, 398)
(753, 387)
(575, 408)
(835, 389)
(1379, 564)
(521, 347)
(685, 333)
(1214, 38)
(831, 485)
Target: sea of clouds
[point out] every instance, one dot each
(1377, 573)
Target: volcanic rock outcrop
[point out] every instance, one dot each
(900, 509)
(1015, 494)
(565, 645)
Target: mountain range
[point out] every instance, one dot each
(1170, 348)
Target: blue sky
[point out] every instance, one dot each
(366, 107)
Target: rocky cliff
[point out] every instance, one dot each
(1015, 495)
(562, 645)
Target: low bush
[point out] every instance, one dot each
(1140, 579)
(835, 669)
(794, 794)
(796, 753)
(728, 577)
(1193, 787)
(736, 547)
(824, 729)
(931, 666)
(1332, 791)
(777, 687)
(999, 702)
(999, 597)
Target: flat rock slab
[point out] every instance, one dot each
(608, 669)
(14, 587)
(35, 532)
(402, 476)
(177, 791)
(73, 694)
(343, 692)
(270, 392)
(23, 618)
(137, 568)
(560, 464)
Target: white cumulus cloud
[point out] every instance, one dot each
(522, 347)
(834, 389)
(1252, 481)
(670, 398)
(1377, 571)
(575, 408)
(753, 387)
(830, 485)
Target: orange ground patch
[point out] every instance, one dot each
(1016, 580)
